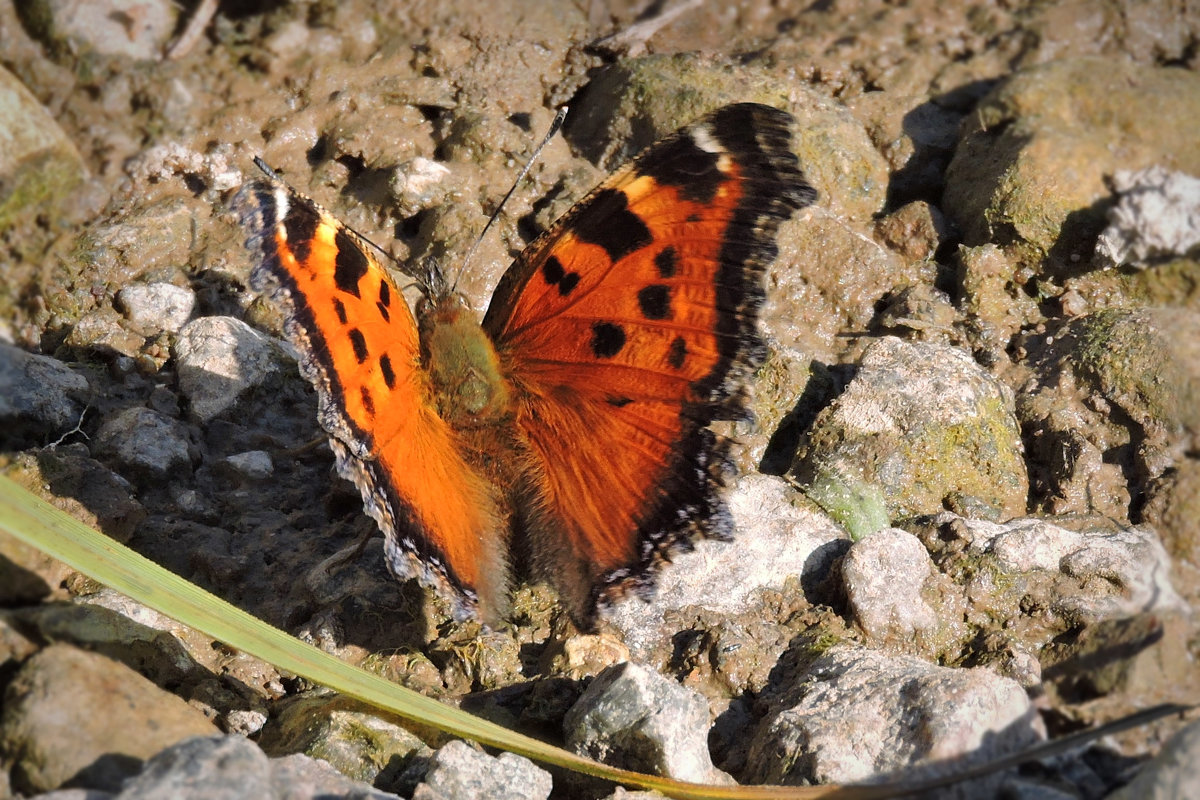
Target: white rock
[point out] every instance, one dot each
(157, 306)
(883, 575)
(855, 714)
(220, 358)
(1157, 216)
(459, 770)
(774, 538)
(254, 464)
(1130, 560)
(632, 717)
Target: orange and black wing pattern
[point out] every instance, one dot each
(358, 344)
(629, 327)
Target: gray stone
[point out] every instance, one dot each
(145, 442)
(632, 717)
(854, 715)
(883, 576)
(131, 28)
(40, 398)
(926, 425)
(1173, 773)
(1114, 573)
(52, 731)
(232, 767)
(458, 771)
(39, 165)
(157, 306)
(777, 537)
(218, 359)
(253, 464)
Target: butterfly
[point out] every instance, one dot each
(567, 434)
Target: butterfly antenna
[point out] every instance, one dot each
(273, 175)
(554, 126)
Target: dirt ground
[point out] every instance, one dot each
(353, 101)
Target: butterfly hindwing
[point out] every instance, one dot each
(359, 346)
(630, 326)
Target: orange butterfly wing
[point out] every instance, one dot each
(359, 346)
(626, 329)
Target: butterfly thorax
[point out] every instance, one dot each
(462, 364)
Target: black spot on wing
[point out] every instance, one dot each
(655, 301)
(678, 353)
(367, 401)
(385, 294)
(340, 310)
(300, 224)
(607, 339)
(359, 343)
(683, 164)
(618, 401)
(666, 262)
(350, 266)
(606, 220)
(385, 367)
(554, 274)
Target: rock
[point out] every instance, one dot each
(884, 574)
(458, 770)
(90, 491)
(156, 306)
(1143, 362)
(219, 359)
(417, 184)
(925, 425)
(1144, 656)
(634, 718)
(103, 331)
(350, 736)
(145, 443)
(41, 398)
(1157, 216)
(582, 655)
(1172, 507)
(1097, 574)
(254, 465)
(991, 296)
(232, 767)
(916, 230)
(77, 794)
(168, 161)
(1032, 160)
(1173, 773)
(39, 165)
(854, 715)
(777, 538)
(52, 730)
(149, 240)
(137, 29)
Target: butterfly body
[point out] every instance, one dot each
(463, 366)
(569, 429)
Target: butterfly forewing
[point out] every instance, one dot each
(628, 328)
(359, 347)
